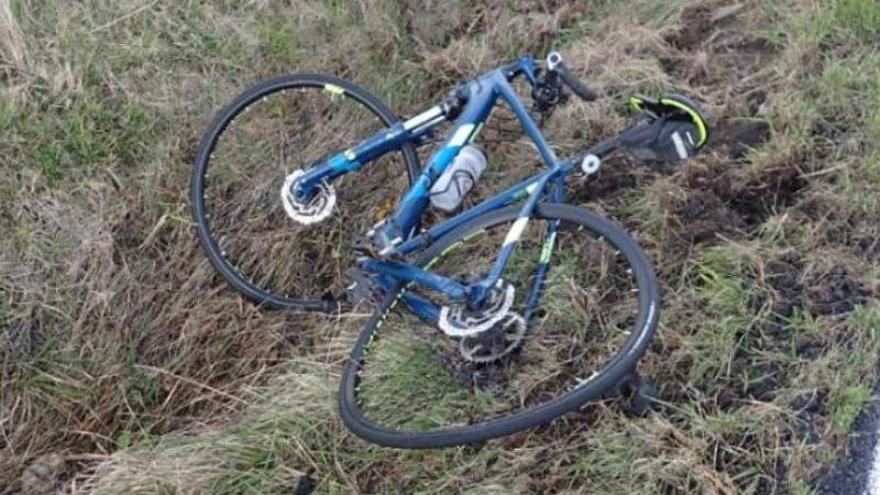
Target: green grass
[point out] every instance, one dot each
(411, 388)
(122, 351)
(860, 17)
(716, 338)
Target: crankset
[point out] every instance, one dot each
(488, 334)
(459, 321)
(497, 342)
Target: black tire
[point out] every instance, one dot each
(617, 368)
(317, 301)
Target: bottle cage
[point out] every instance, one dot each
(675, 128)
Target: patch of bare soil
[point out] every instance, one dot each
(484, 376)
(718, 201)
(700, 20)
(836, 293)
(44, 475)
(608, 183)
(740, 135)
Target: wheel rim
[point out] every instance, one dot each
(407, 378)
(255, 145)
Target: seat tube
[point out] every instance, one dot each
(481, 290)
(543, 268)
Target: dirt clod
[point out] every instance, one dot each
(43, 475)
(487, 376)
(785, 277)
(834, 293)
(719, 201)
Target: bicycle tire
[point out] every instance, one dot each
(209, 142)
(616, 370)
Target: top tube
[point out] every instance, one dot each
(479, 97)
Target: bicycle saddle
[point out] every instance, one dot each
(675, 128)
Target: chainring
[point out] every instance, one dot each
(495, 343)
(459, 321)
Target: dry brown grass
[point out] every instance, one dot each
(127, 365)
(15, 61)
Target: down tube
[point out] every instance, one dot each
(482, 99)
(511, 195)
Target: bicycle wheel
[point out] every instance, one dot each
(256, 144)
(410, 386)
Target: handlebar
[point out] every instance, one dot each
(555, 64)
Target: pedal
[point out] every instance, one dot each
(363, 289)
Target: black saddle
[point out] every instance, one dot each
(674, 128)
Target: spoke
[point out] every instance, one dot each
(257, 151)
(582, 321)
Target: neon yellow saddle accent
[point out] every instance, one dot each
(698, 120)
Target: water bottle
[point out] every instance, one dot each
(459, 178)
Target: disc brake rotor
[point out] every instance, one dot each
(315, 210)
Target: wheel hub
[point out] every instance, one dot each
(315, 210)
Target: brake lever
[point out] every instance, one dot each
(555, 64)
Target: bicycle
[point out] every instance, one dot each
(489, 325)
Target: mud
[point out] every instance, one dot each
(835, 293)
(610, 181)
(851, 474)
(693, 33)
(482, 377)
(718, 201)
(705, 213)
(739, 136)
(784, 276)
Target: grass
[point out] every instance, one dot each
(124, 354)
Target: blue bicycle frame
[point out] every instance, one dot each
(479, 97)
